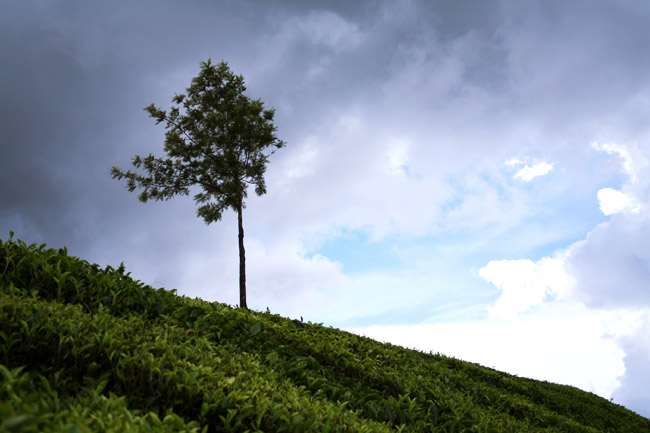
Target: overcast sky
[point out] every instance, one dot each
(469, 178)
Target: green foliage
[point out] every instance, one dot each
(217, 139)
(88, 349)
(54, 275)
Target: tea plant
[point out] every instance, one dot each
(92, 349)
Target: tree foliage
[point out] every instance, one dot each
(218, 140)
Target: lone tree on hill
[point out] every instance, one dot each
(218, 140)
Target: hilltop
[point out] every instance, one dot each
(86, 349)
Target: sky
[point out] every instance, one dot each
(466, 178)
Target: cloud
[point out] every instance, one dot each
(524, 283)
(397, 156)
(606, 274)
(330, 29)
(634, 164)
(633, 391)
(278, 278)
(621, 151)
(613, 201)
(612, 264)
(529, 171)
(563, 343)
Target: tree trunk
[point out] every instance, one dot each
(242, 260)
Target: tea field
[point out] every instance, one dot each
(89, 349)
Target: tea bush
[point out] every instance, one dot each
(91, 349)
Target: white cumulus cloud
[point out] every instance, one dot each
(613, 202)
(524, 283)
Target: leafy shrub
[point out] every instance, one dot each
(89, 349)
(54, 275)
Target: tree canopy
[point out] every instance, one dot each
(219, 141)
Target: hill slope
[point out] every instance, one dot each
(86, 349)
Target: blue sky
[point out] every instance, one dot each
(467, 178)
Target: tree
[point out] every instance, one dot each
(218, 142)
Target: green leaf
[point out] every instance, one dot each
(255, 329)
(14, 423)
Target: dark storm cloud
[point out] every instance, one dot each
(373, 42)
(81, 72)
(75, 80)
(570, 60)
(43, 117)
